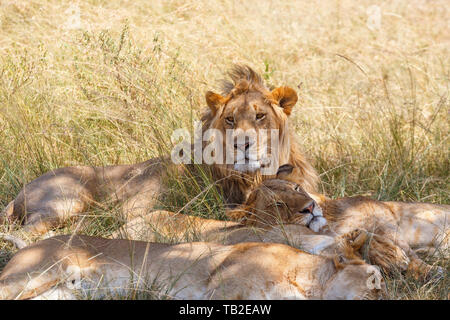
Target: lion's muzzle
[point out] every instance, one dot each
(316, 220)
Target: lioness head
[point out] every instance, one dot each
(358, 281)
(245, 116)
(278, 201)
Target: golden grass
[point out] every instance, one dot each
(111, 87)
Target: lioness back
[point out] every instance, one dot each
(68, 267)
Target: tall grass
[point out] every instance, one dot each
(111, 86)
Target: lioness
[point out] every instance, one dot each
(280, 211)
(423, 227)
(58, 195)
(272, 224)
(69, 267)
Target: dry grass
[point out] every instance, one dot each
(372, 116)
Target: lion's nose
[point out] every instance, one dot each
(243, 146)
(308, 209)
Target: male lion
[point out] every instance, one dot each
(70, 267)
(58, 195)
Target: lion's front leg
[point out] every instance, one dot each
(389, 252)
(377, 250)
(418, 268)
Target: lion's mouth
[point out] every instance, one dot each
(246, 162)
(249, 165)
(313, 218)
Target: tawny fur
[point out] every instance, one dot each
(397, 227)
(244, 97)
(277, 211)
(62, 194)
(69, 267)
(261, 218)
(385, 233)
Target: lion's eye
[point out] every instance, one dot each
(260, 116)
(297, 188)
(279, 204)
(229, 120)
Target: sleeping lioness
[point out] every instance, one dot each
(273, 223)
(423, 227)
(69, 267)
(280, 211)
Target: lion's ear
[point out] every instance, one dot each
(286, 98)
(214, 101)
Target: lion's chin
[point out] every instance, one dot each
(251, 166)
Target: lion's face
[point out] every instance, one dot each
(278, 201)
(250, 119)
(253, 124)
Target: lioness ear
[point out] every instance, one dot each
(214, 101)
(339, 262)
(284, 169)
(289, 173)
(286, 98)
